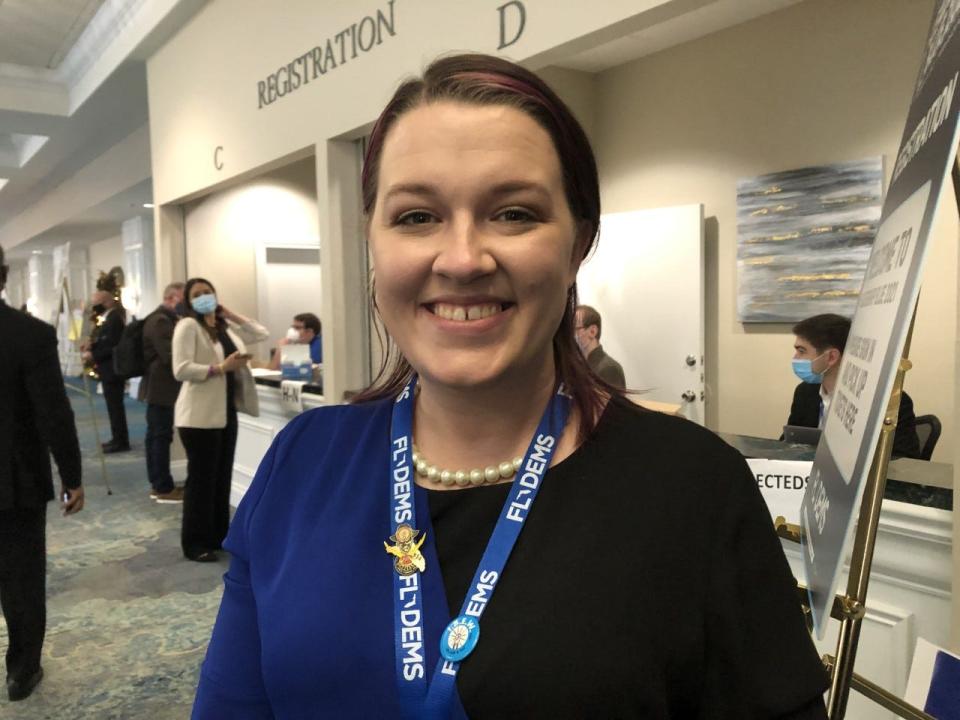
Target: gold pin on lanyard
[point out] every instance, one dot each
(406, 550)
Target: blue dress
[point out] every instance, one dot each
(305, 628)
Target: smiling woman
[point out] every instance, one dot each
(475, 251)
(364, 565)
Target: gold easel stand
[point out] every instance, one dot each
(850, 608)
(65, 305)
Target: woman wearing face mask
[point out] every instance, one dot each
(210, 359)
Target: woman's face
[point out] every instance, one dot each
(474, 246)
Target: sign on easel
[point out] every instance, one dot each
(880, 325)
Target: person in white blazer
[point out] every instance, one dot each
(210, 359)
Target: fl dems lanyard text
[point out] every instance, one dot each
(417, 700)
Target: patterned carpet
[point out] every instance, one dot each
(128, 619)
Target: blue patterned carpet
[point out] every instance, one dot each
(128, 619)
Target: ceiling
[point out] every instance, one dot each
(73, 85)
(100, 222)
(38, 33)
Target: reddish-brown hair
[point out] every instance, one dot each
(488, 80)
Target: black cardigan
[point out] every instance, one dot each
(648, 583)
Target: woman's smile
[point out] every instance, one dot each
(465, 313)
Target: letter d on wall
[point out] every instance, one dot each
(521, 16)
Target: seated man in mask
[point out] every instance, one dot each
(305, 330)
(818, 349)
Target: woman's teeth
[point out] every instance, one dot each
(465, 312)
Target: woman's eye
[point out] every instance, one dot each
(515, 215)
(414, 217)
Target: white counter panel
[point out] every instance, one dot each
(908, 596)
(254, 435)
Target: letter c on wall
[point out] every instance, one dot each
(217, 162)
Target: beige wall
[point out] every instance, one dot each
(223, 229)
(206, 128)
(820, 82)
(579, 91)
(202, 84)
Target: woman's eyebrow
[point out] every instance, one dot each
(504, 188)
(513, 186)
(410, 189)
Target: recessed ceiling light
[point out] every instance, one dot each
(149, 206)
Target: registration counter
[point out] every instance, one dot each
(254, 434)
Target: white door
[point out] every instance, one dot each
(646, 281)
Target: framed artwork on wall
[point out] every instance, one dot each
(803, 240)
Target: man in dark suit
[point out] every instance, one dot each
(108, 333)
(35, 420)
(818, 349)
(159, 388)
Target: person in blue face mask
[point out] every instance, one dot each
(818, 349)
(209, 358)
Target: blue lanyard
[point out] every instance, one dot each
(462, 634)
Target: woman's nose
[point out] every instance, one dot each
(463, 254)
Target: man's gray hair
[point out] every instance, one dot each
(172, 288)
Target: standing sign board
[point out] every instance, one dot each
(887, 299)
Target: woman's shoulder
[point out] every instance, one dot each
(650, 459)
(186, 326)
(629, 425)
(652, 452)
(314, 444)
(343, 425)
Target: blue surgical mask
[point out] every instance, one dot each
(803, 369)
(204, 304)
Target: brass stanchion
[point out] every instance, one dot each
(882, 697)
(87, 391)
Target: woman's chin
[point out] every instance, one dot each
(463, 378)
(482, 372)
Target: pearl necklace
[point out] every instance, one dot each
(490, 474)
